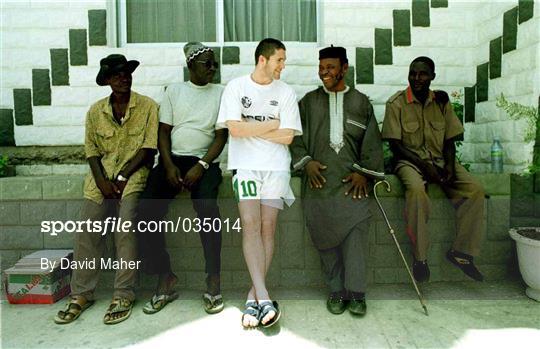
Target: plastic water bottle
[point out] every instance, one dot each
(496, 156)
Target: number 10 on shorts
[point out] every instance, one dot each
(246, 189)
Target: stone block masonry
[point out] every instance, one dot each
(26, 201)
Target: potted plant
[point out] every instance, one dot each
(528, 250)
(527, 238)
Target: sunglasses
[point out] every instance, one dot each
(209, 64)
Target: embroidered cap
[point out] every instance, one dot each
(193, 49)
(334, 52)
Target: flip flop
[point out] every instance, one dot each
(118, 305)
(213, 304)
(252, 308)
(73, 309)
(266, 307)
(158, 302)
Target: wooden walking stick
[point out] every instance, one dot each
(420, 297)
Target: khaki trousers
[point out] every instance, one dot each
(91, 246)
(467, 197)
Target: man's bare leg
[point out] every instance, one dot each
(268, 229)
(253, 248)
(166, 283)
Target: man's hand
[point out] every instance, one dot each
(193, 176)
(275, 123)
(359, 188)
(431, 173)
(313, 171)
(449, 174)
(121, 185)
(174, 177)
(109, 189)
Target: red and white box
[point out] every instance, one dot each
(30, 282)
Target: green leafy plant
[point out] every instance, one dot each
(3, 165)
(518, 111)
(388, 158)
(457, 105)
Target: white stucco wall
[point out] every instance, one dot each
(457, 39)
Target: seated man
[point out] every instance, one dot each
(261, 114)
(421, 128)
(121, 137)
(189, 146)
(339, 151)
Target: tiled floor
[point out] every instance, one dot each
(463, 315)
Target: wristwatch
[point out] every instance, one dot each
(204, 164)
(121, 178)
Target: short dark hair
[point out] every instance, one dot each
(267, 47)
(426, 60)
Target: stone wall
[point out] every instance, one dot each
(507, 61)
(51, 52)
(26, 201)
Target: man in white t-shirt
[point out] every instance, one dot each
(262, 116)
(189, 146)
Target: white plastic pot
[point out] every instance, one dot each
(528, 251)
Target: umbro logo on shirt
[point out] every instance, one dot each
(246, 102)
(274, 103)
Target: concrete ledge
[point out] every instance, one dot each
(70, 186)
(27, 201)
(30, 155)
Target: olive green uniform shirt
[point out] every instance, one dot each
(116, 144)
(422, 129)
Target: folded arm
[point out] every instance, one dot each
(251, 129)
(281, 136)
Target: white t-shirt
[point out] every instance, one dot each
(192, 112)
(245, 100)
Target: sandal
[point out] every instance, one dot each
(464, 262)
(158, 302)
(265, 308)
(72, 311)
(118, 305)
(213, 304)
(252, 308)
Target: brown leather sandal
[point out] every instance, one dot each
(117, 306)
(73, 310)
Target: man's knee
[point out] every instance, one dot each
(268, 226)
(477, 191)
(251, 224)
(415, 189)
(206, 207)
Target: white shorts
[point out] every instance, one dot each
(271, 187)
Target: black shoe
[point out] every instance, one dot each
(357, 304)
(420, 270)
(336, 303)
(467, 266)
